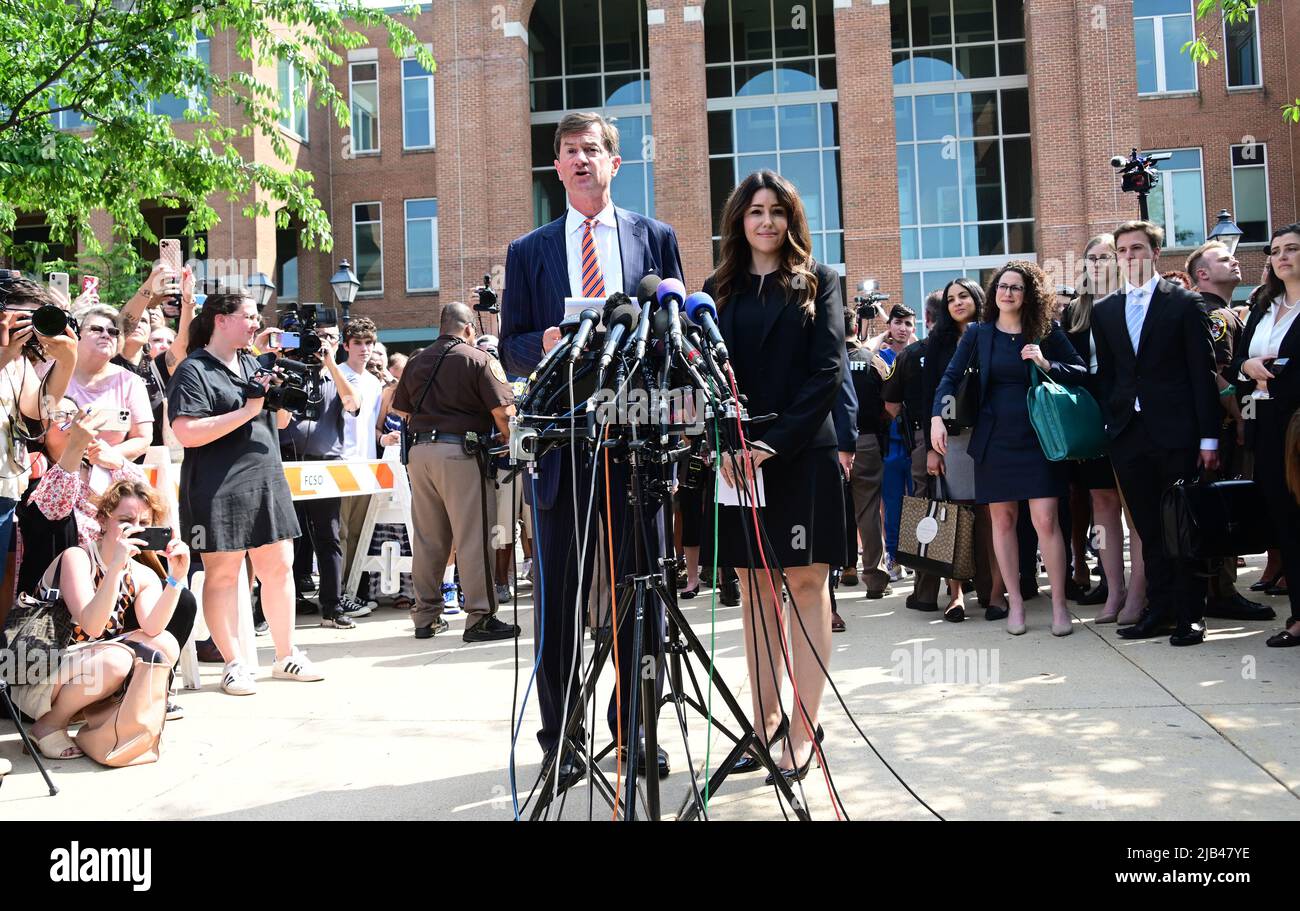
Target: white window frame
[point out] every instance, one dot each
(1259, 56)
(352, 127)
(1268, 197)
(292, 112)
(433, 107)
(1166, 190)
(194, 99)
(380, 222)
(406, 231)
(1158, 36)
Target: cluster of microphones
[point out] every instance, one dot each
(662, 311)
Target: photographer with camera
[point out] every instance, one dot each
(452, 395)
(320, 437)
(234, 498)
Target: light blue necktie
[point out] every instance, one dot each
(1133, 315)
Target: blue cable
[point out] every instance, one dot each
(541, 638)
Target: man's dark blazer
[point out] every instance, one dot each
(537, 282)
(1172, 369)
(977, 341)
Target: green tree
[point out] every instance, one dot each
(1235, 12)
(100, 63)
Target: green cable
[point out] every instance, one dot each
(713, 627)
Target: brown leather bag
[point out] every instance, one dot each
(126, 729)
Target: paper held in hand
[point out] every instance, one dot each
(730, 496)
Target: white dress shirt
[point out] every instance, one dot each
(1142, 296)
(1267, 340)
(605, 236)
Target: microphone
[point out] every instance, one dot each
(645, 293)
(704, 313)
(587, 320)
(618, 322)
(670, 293)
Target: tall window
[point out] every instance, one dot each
(368, 246)
(961, 122)
(293, 99)
(364, 79)
(286, 263)
(1178, 202)
(1241, 39)
(773, 103)
(417, 105)
(1250, 192)
(175, 106)
(591, 55)
(1160, 29)
(421, 245)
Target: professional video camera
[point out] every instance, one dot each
(298, 327)
(869, 299)
(1139, 175)
(296, 386)
(487, 298)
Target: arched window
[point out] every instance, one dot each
(591, 55)
(773, 103)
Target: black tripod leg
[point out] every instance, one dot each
(649, 707)
(27, 743)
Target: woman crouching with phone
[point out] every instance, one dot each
(111, 597)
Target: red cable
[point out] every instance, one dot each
(776, 599)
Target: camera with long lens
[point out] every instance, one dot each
(47, 320)
(869, 299)
(296, 386)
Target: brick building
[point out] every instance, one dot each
(928, 138)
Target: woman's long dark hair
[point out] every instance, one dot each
(795, 270)
(205, 320)
(944, 324)
(1036, 307)
(1273, 285)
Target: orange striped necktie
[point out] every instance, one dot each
(593, 283)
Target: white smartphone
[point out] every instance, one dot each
(119, 421)
(59, 281)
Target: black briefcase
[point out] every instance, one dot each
(1209, 520)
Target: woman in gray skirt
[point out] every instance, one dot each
(963, 301)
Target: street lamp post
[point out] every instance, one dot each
(261, 289)
(1227, 231)
(345, 285)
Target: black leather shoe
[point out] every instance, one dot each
(1283, 639)
(1029, 589)
(800, 773)
(748, 763)
(877, 595)
(1192, 635)
(927, 606)
(571, 771)
(490, 629)
(428, 632)
(1148, 627)
(731, 593)
(995, 612)
(1074, 591)
(1098, 595)
(1238, 607)
(642, 765)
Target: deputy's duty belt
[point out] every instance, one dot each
(436, 436)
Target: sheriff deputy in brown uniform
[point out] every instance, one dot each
(1215, 273)
(447, 391)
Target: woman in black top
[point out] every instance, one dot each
(1266, 360)
(782, 316)
(1009, 462)
(234, 498)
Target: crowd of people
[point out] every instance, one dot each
(1189, 386)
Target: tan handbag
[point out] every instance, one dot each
(126, 729)
(937, 536)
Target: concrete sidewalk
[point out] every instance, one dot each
(980, 724)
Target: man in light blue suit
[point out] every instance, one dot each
(593, 250)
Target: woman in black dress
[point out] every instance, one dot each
(782, 316)
(1266, 365)
(234, 498)
(1009, 463)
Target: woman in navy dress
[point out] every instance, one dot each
(1010, 466)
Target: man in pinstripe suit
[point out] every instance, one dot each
(592, 250)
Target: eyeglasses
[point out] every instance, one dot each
(1099, 257)
(111, 331)
(1010, 289)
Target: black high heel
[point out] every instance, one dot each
(748, 763)
(800, 773)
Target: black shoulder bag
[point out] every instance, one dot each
(966, 403)
(37, 629)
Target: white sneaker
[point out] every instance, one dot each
(296, 666)
(895, 571)
(238, 680)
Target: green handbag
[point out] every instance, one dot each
(1067, 419)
